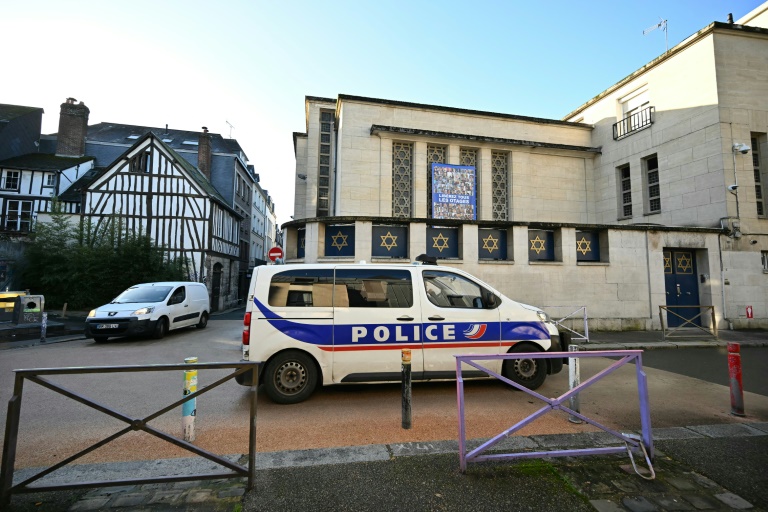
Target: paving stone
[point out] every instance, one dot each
(186, 485)
(638, 504)
(199, 496)
(681, 484)
(734, 501)
(673, 503)
(232, 492)
(760, 426)
(726, 430)
(625, 486)
(110, 491)
(165, 497)
(421, 448)
(704, 481)
(129, 500)
(606, 506)
(664, 434)
(90, 504)
(701, 502)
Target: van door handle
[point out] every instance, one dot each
(186, 305)
(405, 318)
(436, 317)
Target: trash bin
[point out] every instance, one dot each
(7, 304)
(28, 309)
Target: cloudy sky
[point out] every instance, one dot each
(249, 64)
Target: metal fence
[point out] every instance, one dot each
(578, 315)
(688, 325)
(631, 442)
(37, 375)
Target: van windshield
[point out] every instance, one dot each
(143, 294)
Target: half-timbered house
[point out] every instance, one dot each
(151, 189)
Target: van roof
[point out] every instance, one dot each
(169, 283)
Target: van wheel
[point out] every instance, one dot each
(203, 321)
(161, 329)
(290, 378)
(529, 373)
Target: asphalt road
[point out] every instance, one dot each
(53, 427)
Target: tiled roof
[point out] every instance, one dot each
(8, 112)
(42, 162)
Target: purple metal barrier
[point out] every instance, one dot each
(644, 444)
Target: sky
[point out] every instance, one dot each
(243, 67)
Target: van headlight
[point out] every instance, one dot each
(543, 316)
(92, 313)
(143, 311)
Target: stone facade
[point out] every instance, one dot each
(644, 170)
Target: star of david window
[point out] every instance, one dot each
(587, 246)
(541, 246)
(499, 185)
(435, 154)
(402, 179)
(492, 244)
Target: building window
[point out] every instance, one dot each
(139, 162)
(625, 192)
(492, 244)
(758, 178)
(49, 180)
(541, 245)
(499, 185)
(435, 155)
(18, 216)
(324, 171)
(402, 179)
(764, 255)
(587, 246)
(11, 180)
(636, 113)
(468, 156)
(653, 203)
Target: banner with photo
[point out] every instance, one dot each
(453, 192)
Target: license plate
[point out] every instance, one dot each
(106, 326)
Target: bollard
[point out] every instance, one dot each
(574, 378)
(64, 311)
(406, 378)
(43, 327)
(189, 408)
(734, 377)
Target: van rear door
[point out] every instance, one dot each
(375, 317)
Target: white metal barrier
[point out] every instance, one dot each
(580, 311)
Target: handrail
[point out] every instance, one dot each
(666, 332)
(575, 335)
(7, 487)
(643, 444)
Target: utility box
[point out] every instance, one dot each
(7, 304)
(28, 309)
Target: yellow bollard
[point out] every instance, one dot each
(189, 408)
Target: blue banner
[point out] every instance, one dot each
(389, 242)
(339, 240)
(454, 192)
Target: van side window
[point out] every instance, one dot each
(447, 290)
(302, 288)
(373, 288)
(178, 296)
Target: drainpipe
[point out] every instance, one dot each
(722, 281)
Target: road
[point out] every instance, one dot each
(53, 427)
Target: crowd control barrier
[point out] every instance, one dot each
(642, 444)
(37, 375)
(578, 314)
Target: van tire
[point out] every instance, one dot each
(203, 321)
(161, 328)
(290, 377)
(529, 373)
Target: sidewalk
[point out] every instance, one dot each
(696, 469)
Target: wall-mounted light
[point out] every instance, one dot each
(301, 176)
(740, 147)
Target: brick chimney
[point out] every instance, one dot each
(204, 153)
(73, 127)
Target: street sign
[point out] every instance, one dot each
(275, 253)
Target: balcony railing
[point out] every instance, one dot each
(634, 122)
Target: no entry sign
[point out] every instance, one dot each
(275, 253)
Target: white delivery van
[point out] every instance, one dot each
(311, 324)
(150, 309)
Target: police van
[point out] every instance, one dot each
(322, 324)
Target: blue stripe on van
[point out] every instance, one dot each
(362, 335)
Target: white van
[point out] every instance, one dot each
(311, 324)
(150, 309)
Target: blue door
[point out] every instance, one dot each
(682, 287)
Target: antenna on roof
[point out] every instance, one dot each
(230, 128)
(662, 24)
